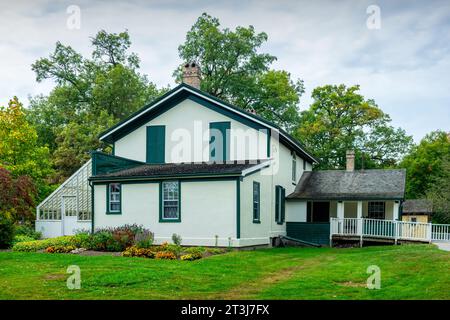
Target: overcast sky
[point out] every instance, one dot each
(404, 65)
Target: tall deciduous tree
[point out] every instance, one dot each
(232, 69)
(340, 119)
(90, 95)
(424, 163)
(439, 193)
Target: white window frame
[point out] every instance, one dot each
(174, 199)
(111, 201)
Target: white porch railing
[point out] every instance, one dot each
(389, 229)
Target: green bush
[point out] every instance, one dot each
(36, 245)
(143, 239)
(27, 230)
(83, 240)
(176, 238)
(195, 250)
(21, 238)
(6, 232)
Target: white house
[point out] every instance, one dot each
(188, 164)
(193, 165)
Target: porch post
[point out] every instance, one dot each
(340, 209)
(396, 210)
(359, 222)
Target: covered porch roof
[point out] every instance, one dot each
(376, 184)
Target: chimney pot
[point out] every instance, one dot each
(191, 74)
(350, 160)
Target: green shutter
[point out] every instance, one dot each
(219, 141)
(156, 138)
(277, 203)
(283, 207)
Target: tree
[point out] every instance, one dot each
(19, 150)
(233, 70)
(340, 119)
(424, 163)
(439, 193)
(17, 197)
(90, 95)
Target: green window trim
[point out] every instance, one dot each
(108, 199)
(156, 144)
(256, 202)
(219, 129)
(280, 207)
(161, 202)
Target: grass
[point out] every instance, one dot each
(407, 272)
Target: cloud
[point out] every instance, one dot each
(404, 66)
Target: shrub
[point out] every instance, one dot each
(134, 251)
(176, 238)
(143, 239)
(60, 249)
(165, 255)
(83, 240)
(195, 250)
(6, 232)
(33, 246)
(21, 238)
(27, 230)
(191, 257)
(116, 239)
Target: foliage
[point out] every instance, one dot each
(168, 255)
(17, 196)
(340, 119)
(21, 238)
(60, 249)
(135, 251)
(19, 152)
(90, 95)
(176, 238)
(439, 194)
(115, 239)
(191, 257)
(27, 230)
(195, 250)
(232, 69)
(36, 245)
(143, 239)
(6, 232)
(424, 163)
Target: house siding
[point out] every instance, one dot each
(208, 208)
(190, 121)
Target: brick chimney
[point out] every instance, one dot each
(191, 74)
(350, 160)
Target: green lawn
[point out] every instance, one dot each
(407, 272)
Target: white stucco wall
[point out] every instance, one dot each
(187, 124)
(208, 208)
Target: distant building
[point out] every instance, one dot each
(417, 210)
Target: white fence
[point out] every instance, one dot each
(389, 229)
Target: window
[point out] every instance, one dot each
(376, 210)
(170, 201)
(256, 202)
(114, 198)
(294, 169)
(279, 204)
(413, 219)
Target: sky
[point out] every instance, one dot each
(397, 51)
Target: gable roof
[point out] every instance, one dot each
(351, 185)
(417, 206)
(177, 170)
(184, 91)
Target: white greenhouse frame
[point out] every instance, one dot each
(74, 198)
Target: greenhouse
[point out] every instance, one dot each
(69, 208)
